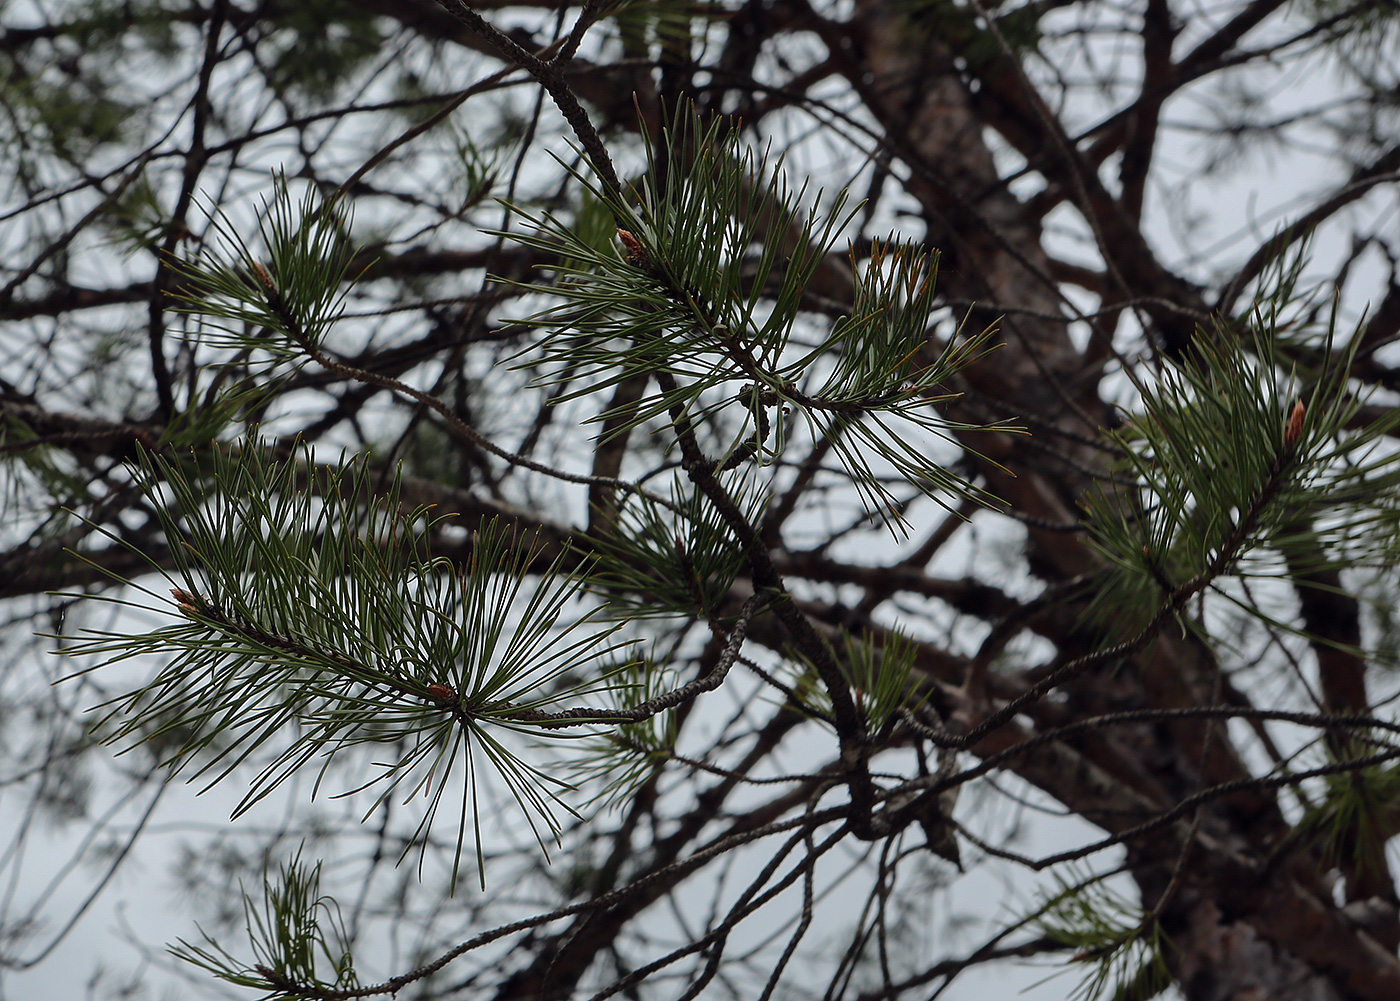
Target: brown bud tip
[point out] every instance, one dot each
(264, 279)
(1294, 429)
(443, 693)
(189, 603)
(636, 253)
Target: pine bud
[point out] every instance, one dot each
(443, 693)
(636, 253)
(188, 603)
(1294, 429)
(264, 279)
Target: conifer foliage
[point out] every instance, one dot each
(665, 500)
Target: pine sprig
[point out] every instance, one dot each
(315, 619)
(879, 672)
(705, 291)
(295, 934)
(1120, 946)
(282, 296)
(617, 762)
(1238, 468)
(1359, 811)
(681, 560)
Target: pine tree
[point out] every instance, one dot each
(662, 499)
